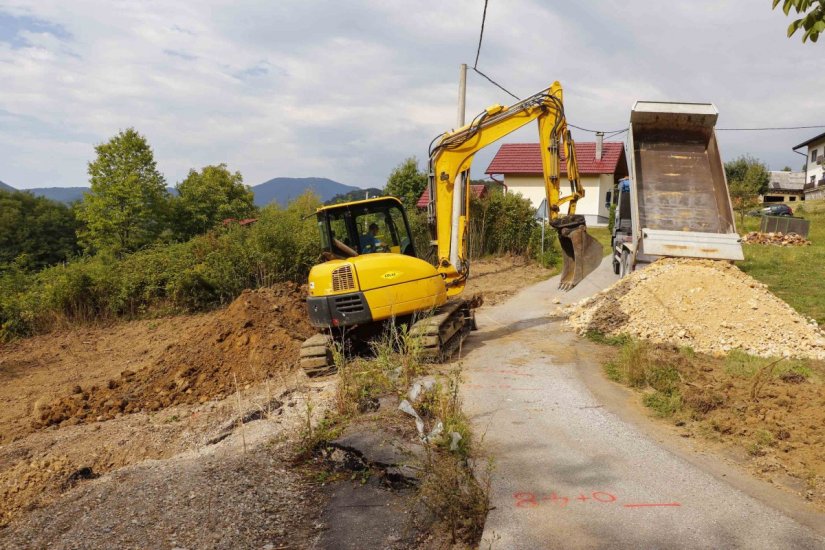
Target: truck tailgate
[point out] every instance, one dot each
(690, 244)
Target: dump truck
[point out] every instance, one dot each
(678, 198)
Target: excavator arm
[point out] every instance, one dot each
(451, 155)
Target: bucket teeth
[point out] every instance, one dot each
(581, 253)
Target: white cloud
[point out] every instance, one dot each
(347, 90)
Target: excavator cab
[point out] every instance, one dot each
(365, 227)
(372, 276)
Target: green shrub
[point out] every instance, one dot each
(549, 256)
(611, 220)
(204, 272)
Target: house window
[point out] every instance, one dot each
(813, 155)
(607, 198)
(791, 199)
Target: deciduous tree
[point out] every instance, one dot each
(812, 20)
(127, 205)
(406, 182)
(207, 197)
(35, 232)
(747, 179)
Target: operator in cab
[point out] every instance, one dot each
(370, 241)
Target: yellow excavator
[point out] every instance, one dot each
(373, 273)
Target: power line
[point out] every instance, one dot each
(481, 34)
(478, 53)
(609, 133)
(614, 134)
(770, 128)
(496, 84)
(597, 131)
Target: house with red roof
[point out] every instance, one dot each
(601, 166)
(478, 191)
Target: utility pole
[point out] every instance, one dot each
(460, 185)
(462, 93)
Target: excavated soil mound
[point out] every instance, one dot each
(257, 337)
(711, 306)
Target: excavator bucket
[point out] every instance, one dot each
(581, 252)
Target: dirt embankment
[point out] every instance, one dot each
(125, 402)
(710, 306)
(255, 338)
(79, 404)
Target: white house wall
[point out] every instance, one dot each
(591, 206)
(815, 170)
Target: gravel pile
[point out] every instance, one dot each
(711, 306)
(779, 239)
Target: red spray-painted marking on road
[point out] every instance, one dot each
(532, 500)
(651, 504)
(515, 373)
(499, 387)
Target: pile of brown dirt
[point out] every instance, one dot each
(255, 338)
(710, 306)
(779, 239)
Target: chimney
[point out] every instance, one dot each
(599, 145)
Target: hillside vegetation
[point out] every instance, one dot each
(206, 271)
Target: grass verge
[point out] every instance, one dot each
(772, 410)
(793, 273)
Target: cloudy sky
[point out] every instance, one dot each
(348, 89)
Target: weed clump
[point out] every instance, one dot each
(641, 365)
(448, 487)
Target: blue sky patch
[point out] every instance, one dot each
(11, 27)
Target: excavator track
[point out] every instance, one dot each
(316, 356)
(441, 334)
(444, 331)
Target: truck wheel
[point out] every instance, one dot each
(625, 263)
(616, 267)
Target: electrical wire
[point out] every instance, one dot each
(496, 84)
(608, 133)
(481, 34)
(614, 133)
(609, 136)
(478, 53)
(596, 131)
(767, 129)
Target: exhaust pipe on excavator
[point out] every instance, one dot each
(581, 252)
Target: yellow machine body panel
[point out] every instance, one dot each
(392, 284)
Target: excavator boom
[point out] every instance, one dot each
(451, 156)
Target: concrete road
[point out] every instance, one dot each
(568, 472)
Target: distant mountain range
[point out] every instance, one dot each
(280, 190)
(283, 190)
(357, 195)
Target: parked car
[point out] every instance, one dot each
(773, 210)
